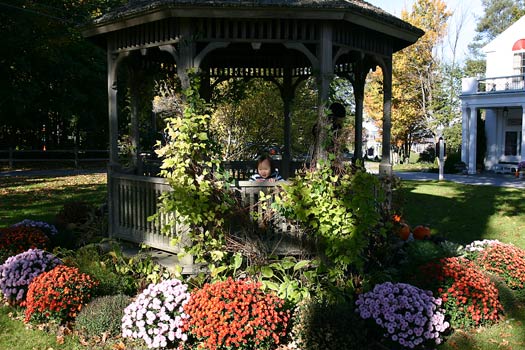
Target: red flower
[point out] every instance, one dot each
(468, 295)
(505, 260)
(235, 314)
(58, 294)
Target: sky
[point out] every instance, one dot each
(467, 9)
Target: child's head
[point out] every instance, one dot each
(265, 166)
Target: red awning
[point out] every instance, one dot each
(519, 45)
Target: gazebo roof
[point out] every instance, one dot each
(137, 12)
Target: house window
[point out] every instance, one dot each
(512, 144)
(519, 63)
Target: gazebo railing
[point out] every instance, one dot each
(133, 199)
(239, 170)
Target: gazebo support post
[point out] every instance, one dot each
(358, 83)
(385, 167)
(134, 119)
(287, 94)
(324, 77)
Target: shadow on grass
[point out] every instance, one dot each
(40, 198)
(464, 213)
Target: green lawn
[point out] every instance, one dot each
(464, 213)
(41, 198)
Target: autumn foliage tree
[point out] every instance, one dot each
(415, 73)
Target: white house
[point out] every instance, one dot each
(501, 94)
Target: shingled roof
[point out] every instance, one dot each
(329, 9)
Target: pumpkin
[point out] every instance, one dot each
(421, 232)
(403, 231)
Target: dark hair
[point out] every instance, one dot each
(262, 158)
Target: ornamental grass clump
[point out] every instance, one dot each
(16, 240)
(505, 260)
(469, 297)
(408, 316)
(48, 229)
(18, 272)
(157, 315)
(235, 315)
(58, 295)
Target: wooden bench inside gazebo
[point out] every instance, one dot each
(284, 41)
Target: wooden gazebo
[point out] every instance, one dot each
(286, 39)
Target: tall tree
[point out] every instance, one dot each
(50, 75)
(498, 15)
(415, 73)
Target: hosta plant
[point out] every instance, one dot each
(506, 261)
(18, 271)
(157, 315)
(235, 315)
(58, 294)
(469, 297)
(16, 240)
(408, 316)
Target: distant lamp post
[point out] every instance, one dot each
(44, 137)
(440, 153)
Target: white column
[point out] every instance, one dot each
(522, 132)
(472, 149)
(464, 135)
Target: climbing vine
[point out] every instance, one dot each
(199, 201)
(339, 209)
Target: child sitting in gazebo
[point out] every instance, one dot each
(265, 170)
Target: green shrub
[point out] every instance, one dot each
(91, 260)
(103, 315)
(453, 159)
(428, 155)
(78, 223)
(321, 326)
(339, 210)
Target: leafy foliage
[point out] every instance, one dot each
(340, 211)
(324, 326)
(57, 80)
(417, 102)
(200, 199)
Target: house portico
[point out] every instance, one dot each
(504, 125)
(499, 98)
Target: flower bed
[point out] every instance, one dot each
(235, 315)
(19, 271)
(469, 297)
(58, 294)
(157, 315)
(409, 316)
(505, 260)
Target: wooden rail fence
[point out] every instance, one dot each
(77, 156)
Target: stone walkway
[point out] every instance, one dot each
(482, 179)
